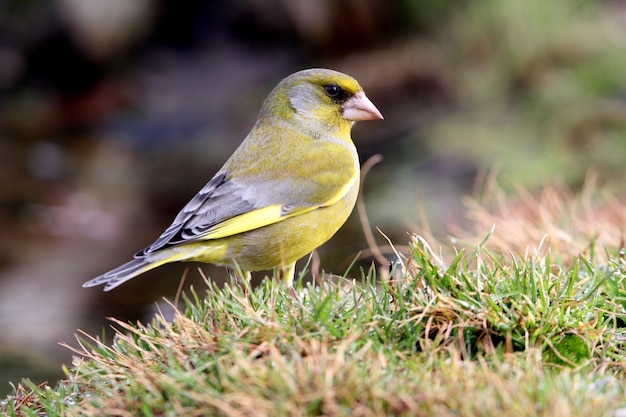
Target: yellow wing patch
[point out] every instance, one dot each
(266, 216)
(253, 220)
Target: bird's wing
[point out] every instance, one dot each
(226, 207)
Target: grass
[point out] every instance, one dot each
(510, 324)
(480, 334)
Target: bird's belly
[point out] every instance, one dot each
(287, 241)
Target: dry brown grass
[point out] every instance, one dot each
(590, 222)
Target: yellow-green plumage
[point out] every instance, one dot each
(286, 190)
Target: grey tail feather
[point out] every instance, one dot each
(121, 274)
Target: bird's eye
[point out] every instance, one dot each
(333, 91)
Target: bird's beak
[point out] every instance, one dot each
(359, 107)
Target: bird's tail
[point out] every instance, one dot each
(123, 273)
(202, 252)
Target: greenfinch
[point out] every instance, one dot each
(286, 190)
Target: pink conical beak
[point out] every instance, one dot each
(360, 108)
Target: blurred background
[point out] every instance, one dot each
(114, 113)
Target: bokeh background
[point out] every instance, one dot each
(114, 113)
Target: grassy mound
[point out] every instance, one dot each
(482, 335)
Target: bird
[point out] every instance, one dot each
(286, 190)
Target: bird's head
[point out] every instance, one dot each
(320, 99)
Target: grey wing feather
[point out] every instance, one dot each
(222, 198)
(218, 200)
